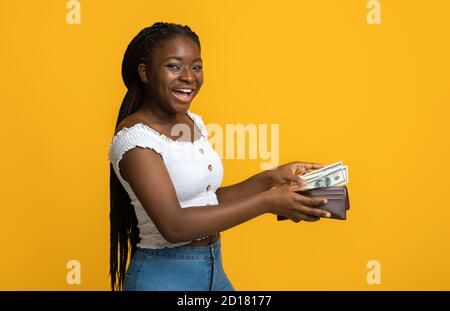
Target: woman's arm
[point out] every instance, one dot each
(256, 184)
(147, 175)
(145, 171)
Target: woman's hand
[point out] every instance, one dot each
(285, 201)
(289, 173)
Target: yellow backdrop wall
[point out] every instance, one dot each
(375, 96)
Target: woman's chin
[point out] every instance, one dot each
(181, 107)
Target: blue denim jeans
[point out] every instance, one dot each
(197, 268)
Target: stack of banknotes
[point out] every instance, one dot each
(331, 175)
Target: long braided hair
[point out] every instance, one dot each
(124, 233)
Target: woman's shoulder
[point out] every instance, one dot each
(129, 122)
(131, 132)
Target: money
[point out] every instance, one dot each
(335, 174)
(323, 170)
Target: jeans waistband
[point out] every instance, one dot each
(185, 252)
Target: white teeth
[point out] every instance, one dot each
(184, 90)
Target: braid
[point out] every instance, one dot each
(124, 233)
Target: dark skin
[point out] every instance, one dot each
(273, 191)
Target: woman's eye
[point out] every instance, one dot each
(176, 67)
(173, 66)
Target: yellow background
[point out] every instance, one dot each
(374, 96)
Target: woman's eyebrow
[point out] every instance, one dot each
(180, 58)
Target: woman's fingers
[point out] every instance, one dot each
(306, 167)
(308, 206)
(316, 212)
(301, 216)
(312, 166)
(296, 180)
(315, 166)
(310, 201)
(295, 187)
(312, 218)
(304, 207)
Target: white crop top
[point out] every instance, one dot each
(195, 169)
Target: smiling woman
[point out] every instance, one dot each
(176, 67)
(167, 206)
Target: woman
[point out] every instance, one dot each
(167, 206)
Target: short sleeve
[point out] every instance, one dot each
(128, 138)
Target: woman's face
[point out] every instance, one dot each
(175, 74)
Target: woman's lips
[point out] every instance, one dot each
(182, 97)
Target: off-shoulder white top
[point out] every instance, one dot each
(195, 169)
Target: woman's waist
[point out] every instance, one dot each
(194, 250)
(209, 240)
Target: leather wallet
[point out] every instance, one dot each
(337, 201)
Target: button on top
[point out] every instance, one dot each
(201, 151)
(210, 167)
(208, 188)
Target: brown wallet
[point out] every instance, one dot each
(337, 201)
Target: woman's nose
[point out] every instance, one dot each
(187, 75)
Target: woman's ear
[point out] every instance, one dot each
(142, 69)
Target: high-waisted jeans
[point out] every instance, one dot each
(197, 268)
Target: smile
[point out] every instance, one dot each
(183, 95)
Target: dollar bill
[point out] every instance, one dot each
(335, 174)
(328, 179)
(323, 170)
(346, 173)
